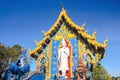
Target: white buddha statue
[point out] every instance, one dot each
(63, 57)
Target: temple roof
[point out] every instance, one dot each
(91, 39)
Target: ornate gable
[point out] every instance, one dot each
(64, 20)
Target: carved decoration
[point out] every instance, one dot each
(81, 71)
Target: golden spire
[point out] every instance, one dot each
(62, 5)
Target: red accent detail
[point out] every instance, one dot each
(68, 72)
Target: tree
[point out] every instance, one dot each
(99, 73)
(115, 78)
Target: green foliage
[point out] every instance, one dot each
(99, 73)
(6, 53)
(116, 78)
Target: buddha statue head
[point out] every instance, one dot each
(63, 43)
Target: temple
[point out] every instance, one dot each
(67, 50)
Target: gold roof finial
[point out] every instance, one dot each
(62, 6)
(105, 41)
(94, 35)
(83, 26)
(44, 33)
(36, 42)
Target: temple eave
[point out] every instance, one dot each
(94, 43)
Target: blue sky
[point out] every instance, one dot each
(22, 22)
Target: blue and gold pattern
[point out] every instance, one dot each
(74, 44)
(54, 64)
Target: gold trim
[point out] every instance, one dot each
(64, 32)
(50, 60)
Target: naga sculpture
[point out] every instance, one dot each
(17, 70)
